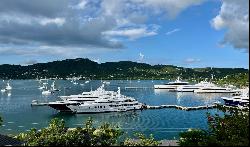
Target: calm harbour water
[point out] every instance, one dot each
(19, 116)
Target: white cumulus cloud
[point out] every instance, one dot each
(133, 33)
(234, 17)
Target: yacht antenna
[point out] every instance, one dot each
(119, 91)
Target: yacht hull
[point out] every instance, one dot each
(165, 87)
(106, 109)
(60, 107)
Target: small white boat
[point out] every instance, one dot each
(9, 94)
(8, 87)
(46, 92)
(106, 82)
(3, 90)
(86, 82)
(41, 87)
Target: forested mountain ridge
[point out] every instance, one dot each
(88, 69)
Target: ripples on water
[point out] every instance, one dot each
(19, 116)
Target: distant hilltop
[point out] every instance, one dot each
(87, 69)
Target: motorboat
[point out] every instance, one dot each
(3, 90)
(214, 89)
(106, 82)
(91, 94)
(41, 87)
(8, 87)
(172, 85)
(241, 99)
(96, 101)
(78, 99)
(46, 92)
(191, 88)
(62, 105)
(113, 103)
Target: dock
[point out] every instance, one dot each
(181, 107)
(138, 87)
(213, 106)
(39, 104)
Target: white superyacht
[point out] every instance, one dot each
(172, 85)
(113, 103)
(96, 101)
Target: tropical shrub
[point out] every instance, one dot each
(230, 129)
(141, 140)
(56, 134)
(1, 121)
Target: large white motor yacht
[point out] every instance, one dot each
(191, 88)
(91, 94)
(241, 98)
(214, 89)
(171, 85)
(113, 103)
(96, 101)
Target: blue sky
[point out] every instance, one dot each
(190, 33)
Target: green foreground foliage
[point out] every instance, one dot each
(57, 134)
(231, 129)
(141, 140)
(1, 121)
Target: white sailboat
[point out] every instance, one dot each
(7, 88)
(53, 88)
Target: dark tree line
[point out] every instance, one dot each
(111, 70)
